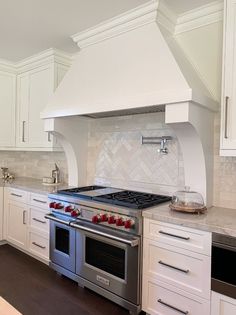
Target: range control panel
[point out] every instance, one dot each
(96, 216)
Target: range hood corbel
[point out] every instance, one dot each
(72, 133)
(194, 128)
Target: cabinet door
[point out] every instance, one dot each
(17, 216)
(228, 108)
(7, 107)
(34, 89)
(222, 305)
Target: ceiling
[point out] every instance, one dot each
(30, 26)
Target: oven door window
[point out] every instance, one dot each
(62, 240)
(223, 265)
(106, 257)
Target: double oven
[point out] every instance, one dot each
(103, 260)
(95, 239)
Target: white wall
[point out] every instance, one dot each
(203, 48)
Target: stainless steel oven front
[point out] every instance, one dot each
(109, 259)
(223, 275)
(62, 243)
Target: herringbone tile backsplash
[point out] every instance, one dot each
(117, 157)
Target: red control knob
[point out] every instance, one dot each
(58, 206)
(68, 209)
(52, 205)
(96, 219)
(128, 224)
(104, 217)
(74, 213)
(119, 222)
(111, 220)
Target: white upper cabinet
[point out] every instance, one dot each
(34, 88)
(228, 108)
(25, 89)
(7, 109)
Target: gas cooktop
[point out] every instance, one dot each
(119, 197)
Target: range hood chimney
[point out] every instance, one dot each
(126, 65)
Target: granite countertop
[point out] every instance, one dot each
(33, 185)
(215, 219)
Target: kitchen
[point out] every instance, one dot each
(153, 129)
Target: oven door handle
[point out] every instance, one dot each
(54, 218)
(134, 242)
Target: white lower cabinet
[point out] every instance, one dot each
(162, 299)
(39, 245)
(25, 224)
(176, 270)
(222, 305)
(16, 222)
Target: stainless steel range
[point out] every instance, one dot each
(95, 239)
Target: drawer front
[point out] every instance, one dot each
(18, 195)
(40, 201)
(183, 269)
(37, 219)
(190, 239)
(39, 245)
(160, 300)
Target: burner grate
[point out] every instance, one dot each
(132, 199)
(72, 191)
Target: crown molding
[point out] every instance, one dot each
(152, 11)
(166, 17)
(43, 58)
(7, 66)
(122, 23)
(199, 17)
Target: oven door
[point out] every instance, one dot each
(62, 243)
(109, 259)
(223, 273)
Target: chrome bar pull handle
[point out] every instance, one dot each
(16, 195)
(54, 218)
(40, 201)
(173, 267)
(23, 130)
(40, 221)
(49, 137)
(172, 307)
(226, 116)
(40, 246)
(174, 235)
(24, 217)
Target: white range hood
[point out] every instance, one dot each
(126, 65)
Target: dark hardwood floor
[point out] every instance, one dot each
(34, 289)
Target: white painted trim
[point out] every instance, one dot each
(122, 23)
(150, 12)
(199, 17)
(7, 66)
(42, 58)
(166, 17)
(224, 152)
